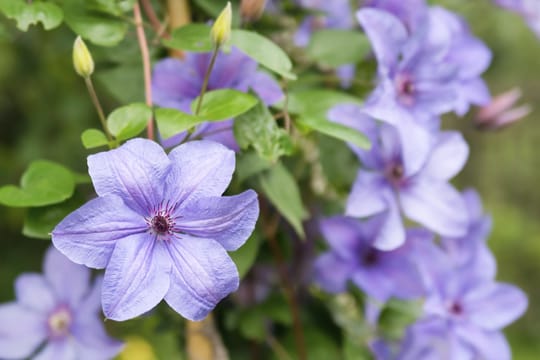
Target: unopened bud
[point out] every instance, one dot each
(501, 111)
(82, 59)
(221, 30)
(251, 10)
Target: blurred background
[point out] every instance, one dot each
(44, 108)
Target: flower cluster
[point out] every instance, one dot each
(428, 64)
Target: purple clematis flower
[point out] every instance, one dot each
(425, 73)
(176, 83)
(160, 227)
(394, 181)
(467, 314)
(528, 9)
(58, 311)
(352, 256)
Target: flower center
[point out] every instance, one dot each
(395, 174)
(162, 221)
(405, 89)
(160, 224)
(371, 257)
(59, 322)
(455, 308)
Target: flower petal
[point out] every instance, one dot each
(88, 235)
(493, 305)
(366, 197)
(135, 172)
(136, 278)
(344, 235)
(386, 34)
(266, 87)
(92, 342)
(487, 344)
(202, 275)
(331, 272)
(229, 220)
(69, 281)
(436, 205)
(199, 169)
(21, 331)
(392, 232)
(58, 349)
(33, 291)
(448, 156)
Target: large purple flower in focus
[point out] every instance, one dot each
(58, 310)
(160, 227)
(427, 72)
(394, 181)
(352, 256)
(176, 83)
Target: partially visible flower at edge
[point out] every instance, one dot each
(176, 83)
(58, 310)
(160, 227)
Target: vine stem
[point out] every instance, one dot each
(270, 231)
(99, 109)
(206, 79)
(159, 29)
(143, 45)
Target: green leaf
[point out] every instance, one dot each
(249, 164)
(192, 37)
(282, 190)
(117, 7)
(100, 29)
(26, 14)
(171, 121)
(338, 131)
(245, 256)
(116, 78)
(43, 183)
(264, 51)
(92, 138)
(257, 128)
(317, 101)
(336, 47)
(40, 221)
(223, 104)
(128, 121)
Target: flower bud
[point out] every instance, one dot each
(501, 111)
(251, 10)
(82, 59)
(221, 30)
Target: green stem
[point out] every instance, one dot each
(97, 105)
(206, 78)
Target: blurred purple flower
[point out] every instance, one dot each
(471, 250)
(428, 72)
(500, 113)
(392, 180)
(411, 12)
(352, 256)
(58, 310)
(176, 83)
(528, 9)
(160, 227)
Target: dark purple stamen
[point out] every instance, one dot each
(456, 308)
(371, 257)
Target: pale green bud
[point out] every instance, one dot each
(221, 30)
(82, 59)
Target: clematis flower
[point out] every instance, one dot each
(467, 315)
(424, 73)
(176, 83)
(528, 9)
(393, 181)
(352, 256)
(55, 316)
(160, 227)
